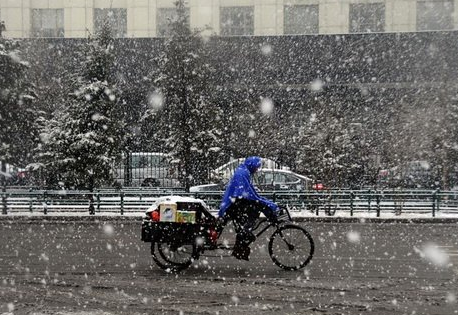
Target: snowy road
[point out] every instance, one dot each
(75, 268)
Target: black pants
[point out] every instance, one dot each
(244, 214)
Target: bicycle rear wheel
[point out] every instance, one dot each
(173, 257)
(291, 247)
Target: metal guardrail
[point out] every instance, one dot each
(137, 200)
(353, 201)
(81, 201)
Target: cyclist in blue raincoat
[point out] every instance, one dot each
(242, 204)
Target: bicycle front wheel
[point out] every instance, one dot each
(291, 247)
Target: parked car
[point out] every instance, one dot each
(14, 176)
(319, 186)
(411, 174)
(207, 188)
(276, 179)
(266, 180)
(225, 171)
(146, 169)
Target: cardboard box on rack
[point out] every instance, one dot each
(168, 212)
(186, 216)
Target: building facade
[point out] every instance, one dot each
(148, 18)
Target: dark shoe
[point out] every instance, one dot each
(241, 252)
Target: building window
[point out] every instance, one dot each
(164, 18)
(301, 19)
(367, 17)
(237, 20)
(434, 15)
(116, 18)
(47, 22)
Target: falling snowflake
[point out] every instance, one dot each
(44, 257)
(353, 237)
(156, 100)
(266, 49)
(96, 117)
(267, 106)
(433, 254)
(44, 137)
(200, 241)
(316, 85)
(108, 229)
(451, 298)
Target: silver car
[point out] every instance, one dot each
(266, 180)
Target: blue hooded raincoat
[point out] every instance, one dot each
(240, 186)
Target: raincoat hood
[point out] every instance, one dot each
(252, 163)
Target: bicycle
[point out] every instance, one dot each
(175, 246)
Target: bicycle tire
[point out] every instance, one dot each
(164, 256)
(285, 241)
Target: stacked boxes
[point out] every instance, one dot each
(169, 213)
(186, 216)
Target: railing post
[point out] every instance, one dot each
(91, 202)
(30, 201)
(45, 202)
(377, 196)
(122, 202)
(369, 200)
(352, 197)
(98, 200)
(438, 200)
(5, 205)
(327, 208)
(434, 203)
(317, 208)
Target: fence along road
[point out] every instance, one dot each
(137, 200)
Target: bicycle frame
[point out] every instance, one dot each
(287, 218)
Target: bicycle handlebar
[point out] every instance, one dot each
(284, 212)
